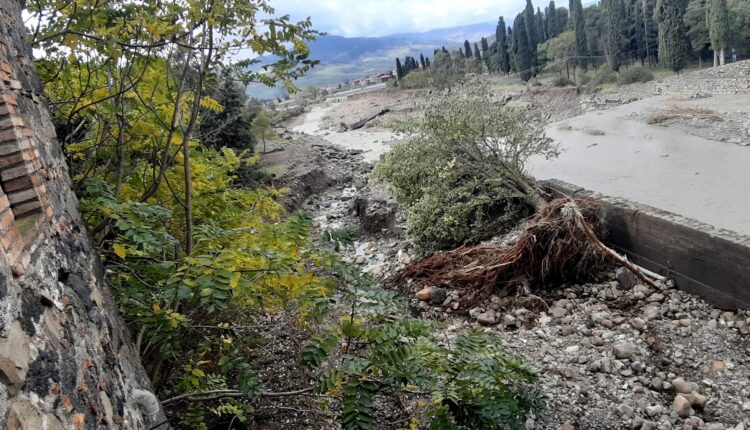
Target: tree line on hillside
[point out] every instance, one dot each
(669, 33)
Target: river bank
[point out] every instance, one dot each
(611, 354)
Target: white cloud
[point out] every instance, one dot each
(382, 17)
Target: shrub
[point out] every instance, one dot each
(461, 174)
(582, 78)
(561, 81)
(604, 75)
(635, 74)
(414, 80)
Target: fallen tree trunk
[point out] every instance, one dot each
(362, 122)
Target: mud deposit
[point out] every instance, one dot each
(616, 152)
(372, 143)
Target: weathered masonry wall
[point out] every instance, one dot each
(703, 261)
(66, 359)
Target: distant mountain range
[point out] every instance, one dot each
(346, 58)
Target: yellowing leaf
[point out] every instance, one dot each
(120, 251)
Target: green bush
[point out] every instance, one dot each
(582, 78)
(635, 74)
(461, 173)
(561, 81)
(414, 80)
(603, 75)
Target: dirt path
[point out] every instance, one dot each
(616, 152)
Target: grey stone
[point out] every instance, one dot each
(14, 357)
(681, 386)
(487, 318)
(624, 350)
(682, 407)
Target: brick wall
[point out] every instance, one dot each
(66, 358)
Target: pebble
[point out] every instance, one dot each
(681, 406)
(681, 386)
(424, 294)
(487, 318)
(624, 350)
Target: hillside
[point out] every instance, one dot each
(345, 58)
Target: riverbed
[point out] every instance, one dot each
(614, 152)
(373, 144)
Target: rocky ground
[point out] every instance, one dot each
(613, 354)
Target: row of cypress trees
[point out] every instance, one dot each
(645, 30)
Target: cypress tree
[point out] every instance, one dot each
(486, 54)
(541, 28)
(501, 37)
(638, 32)
(615, 31)
(562, 20)
(673, 46)
(427, 62)
(530, 20)
(467, 49)
(511, 50)
(524, 56)
(399, 69)
(553, 24)
(717, 20)
(477, 55)
(421, 61)
(650, 30)
(579, 23)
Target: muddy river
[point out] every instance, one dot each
(615, 153)
(658, 166)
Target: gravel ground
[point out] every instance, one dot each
(611, 355)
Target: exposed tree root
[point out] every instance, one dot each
(560, 244)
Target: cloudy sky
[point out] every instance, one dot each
(382, 17)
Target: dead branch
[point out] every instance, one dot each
(205, 396)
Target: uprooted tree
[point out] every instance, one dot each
(461, 176)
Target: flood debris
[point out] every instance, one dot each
(561, 243)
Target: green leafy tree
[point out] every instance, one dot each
(261, 127)
(399, 69)
(462, 170)
(717, 19)
(673, 46)
(446, 70)
(230, 126)
(524, 54)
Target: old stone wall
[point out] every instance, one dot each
(66, 358)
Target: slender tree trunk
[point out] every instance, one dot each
(186, 144)
(721, 56)
(716, 58)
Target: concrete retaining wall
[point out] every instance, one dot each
(714, 264)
